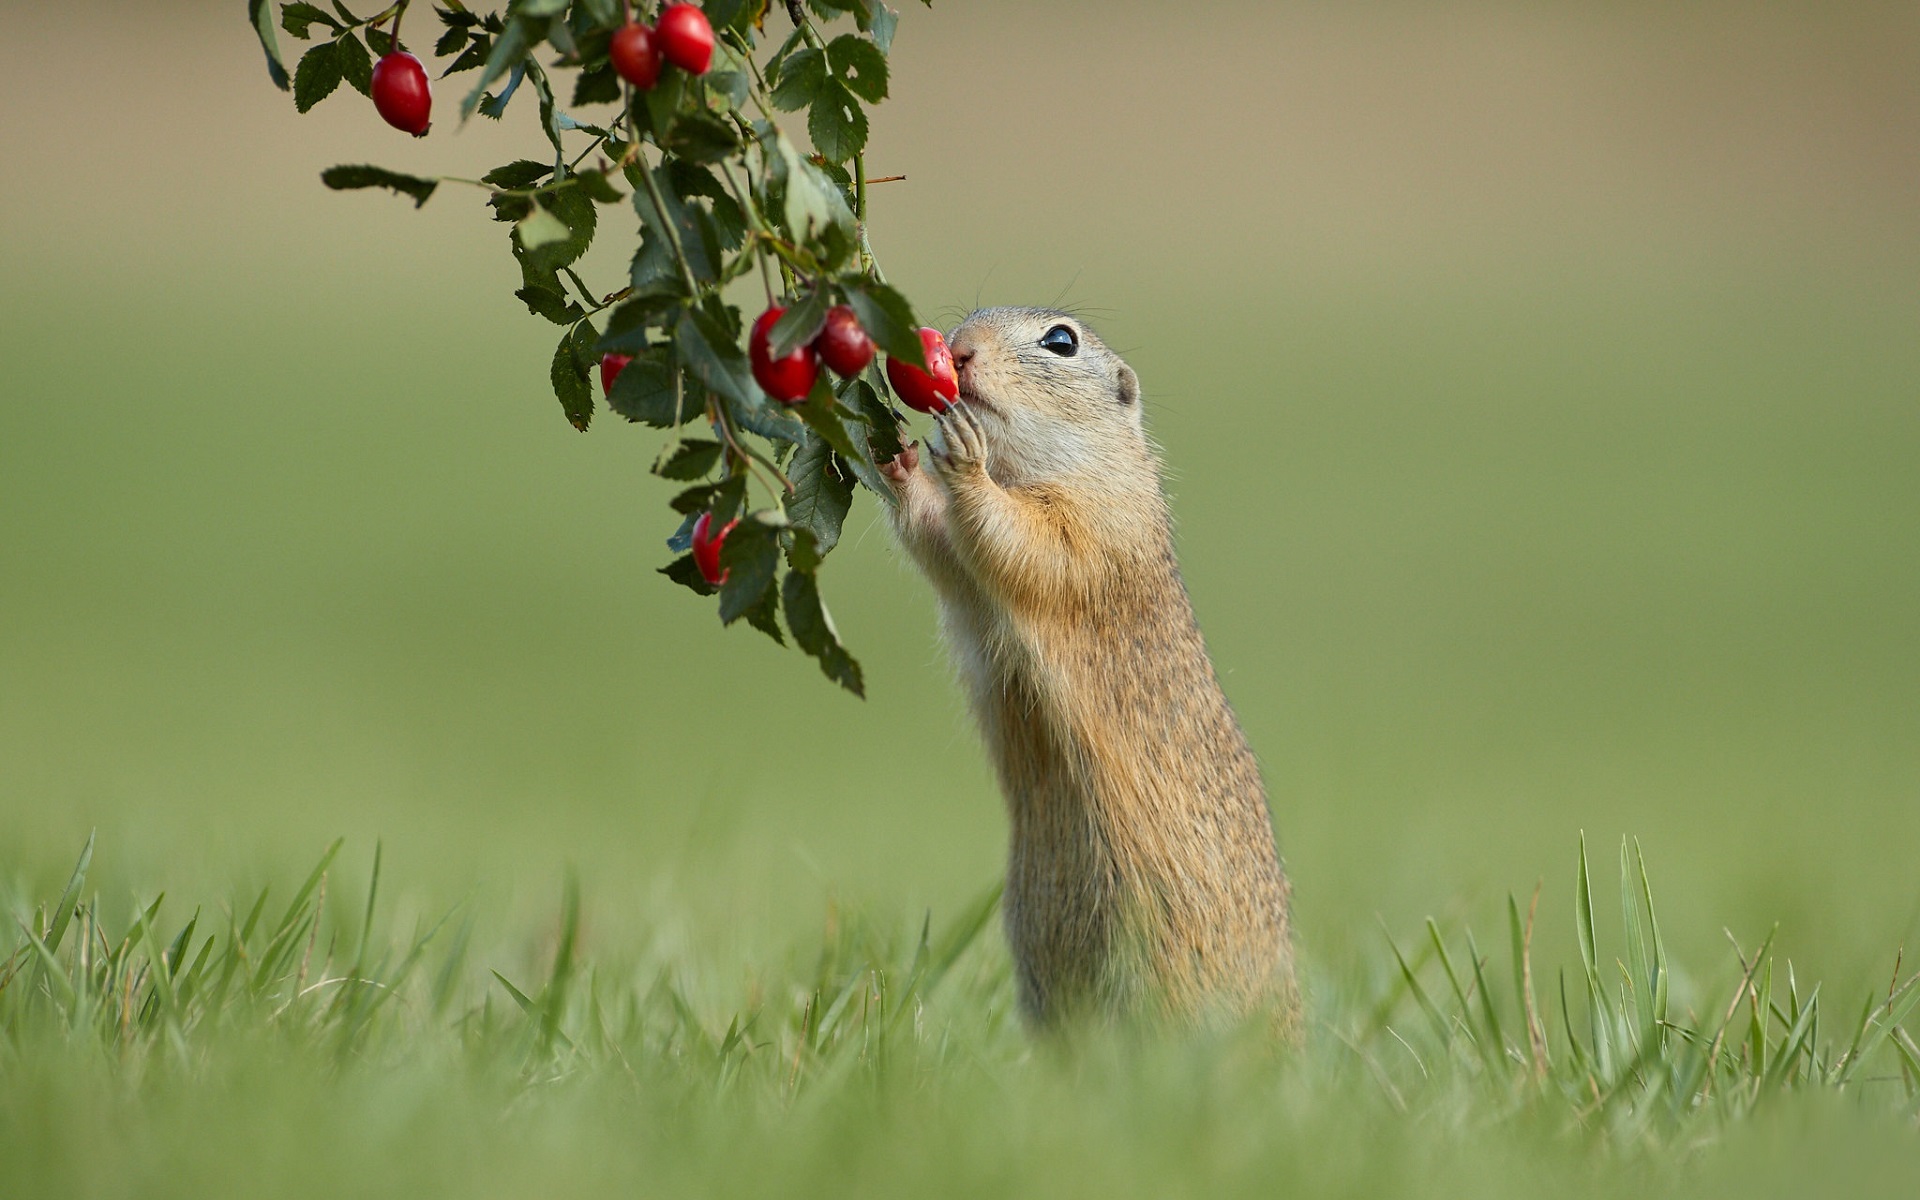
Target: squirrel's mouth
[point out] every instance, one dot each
(973, 399)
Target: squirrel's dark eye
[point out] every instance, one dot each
(1061, 341)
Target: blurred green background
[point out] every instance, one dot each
(1540, 388)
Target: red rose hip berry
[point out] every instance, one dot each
(685, 37)
(787, 379)
(931, 391)
(635, 54)
(611, 364)
(400, 92)
(706, 547)
(843, 344)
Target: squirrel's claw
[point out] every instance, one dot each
(961, 445)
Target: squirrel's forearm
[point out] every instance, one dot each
(1023, 544)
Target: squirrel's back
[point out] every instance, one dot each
(1143, 877)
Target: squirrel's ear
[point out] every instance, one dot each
(1128, 390)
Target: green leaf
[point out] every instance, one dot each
(684, 572)
(520, 173)
(812, 204)
(571, 385)
(299, 19)
(540, 228)
(888, 320)
(70, 898)
(355, 67)
(813, 631)
(702, 137)
(881, 425)
(821, 496)
(698, 238)
(765, 616)
(800, 324)
(715, 360)
(260, 13)
(454, 38)
(596, 85)
(549, 302)
(802, 76)
(722, 14)
(628, 325)
(380, 42)
(478, 51)
(362, 175)
(751, 557)
(644, 393)
(860, 67)
(598, 188)
(317, 75)
(818, 413)
(513, 45)
(836, 123)
(692, 459)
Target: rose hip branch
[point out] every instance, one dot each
(674, 116)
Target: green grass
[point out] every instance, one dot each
(303, 1034)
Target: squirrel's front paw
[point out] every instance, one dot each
(960, 445)
(899, 469)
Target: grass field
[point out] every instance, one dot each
(1539, 394)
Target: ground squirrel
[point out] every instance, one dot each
(1142, 878)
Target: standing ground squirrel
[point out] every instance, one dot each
(1142, 878)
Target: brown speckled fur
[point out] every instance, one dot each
(1142, 878)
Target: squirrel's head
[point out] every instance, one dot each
(1050, 396)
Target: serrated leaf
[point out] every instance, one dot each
(812, 205)
(520, 173)
(836, 123)
(450, 40)
(800, 324)
(821, 496)
(299, 19)
(596, 187)
(380, 42)
(260, 13)
(731, 13)
(882, 426)
(475, 55)
(691, 460)
(819, 415)
(698, 237)
(571, 385)
(627, 327)
(814, 633)
(888, 320)
(802, 75)
(539, 228)
(765, 616)
(702, 137)
(550, 303)
(317, 75)
(649, 398)
(361, 175)
(859, 66)
(716, 360)
(686, 573)
(596, 85)
(355, 67)
(751, 558)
